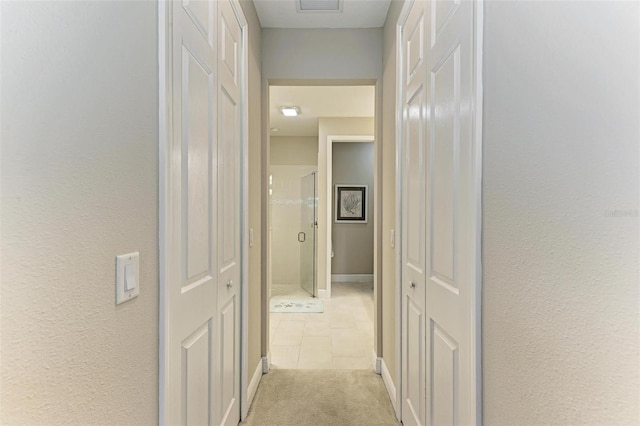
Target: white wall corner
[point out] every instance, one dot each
(266, 363)
(323, 294)
(253, 384)
(391, 388)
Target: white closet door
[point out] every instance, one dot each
(440, 211)
(452, 208)
(191, 281)
(229, 208)
(414, 144)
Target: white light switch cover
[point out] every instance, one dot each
(127, 277)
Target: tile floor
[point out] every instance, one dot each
(339, 338)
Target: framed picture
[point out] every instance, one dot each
(351, 204)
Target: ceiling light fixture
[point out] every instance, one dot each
(290, 111)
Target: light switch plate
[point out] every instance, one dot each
(127, 277)
(393, 238)
(251, 237)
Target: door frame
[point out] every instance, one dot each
(476, 299)
(165, 130)
(265, 272)
(331, 139)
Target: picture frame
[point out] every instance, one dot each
(351, 203)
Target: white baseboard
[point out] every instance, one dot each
(323, 294)
(253, 384)
(352, 278)
(377, 363)
(266, 363)
(388, 383)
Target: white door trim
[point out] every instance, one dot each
(404, 13)
(164, 132)
(331, 139)
(478, 35)
(244, 228)
(478, 32)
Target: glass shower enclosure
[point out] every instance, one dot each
(307, 233)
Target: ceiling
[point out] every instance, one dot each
(314, 102)
(354, 14)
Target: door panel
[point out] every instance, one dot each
(445, 87)
(443, 372)
(196, 353)
(452, 208)
(413, 219)
(203, 284)
(191, 261)
(196, 157)
(229, 346)
(229, 92)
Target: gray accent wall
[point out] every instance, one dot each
(353, 242)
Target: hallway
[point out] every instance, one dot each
(135, 162)
(319, 398)
(339, 338)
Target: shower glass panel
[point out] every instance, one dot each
(307, 233)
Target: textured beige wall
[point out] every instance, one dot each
(353, 242)
(255, 179)
(389, 299)
(321, 53)
(560, 213)
(79, 184)
(294, 150)
(326, 127)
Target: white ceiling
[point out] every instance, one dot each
(314, 102)
(354, 14)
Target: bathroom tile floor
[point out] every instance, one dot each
(339, 338)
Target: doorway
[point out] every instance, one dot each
(324, 329)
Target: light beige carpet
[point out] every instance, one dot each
(321, 397)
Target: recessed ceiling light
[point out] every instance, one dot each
(290, 111)
(275, 129)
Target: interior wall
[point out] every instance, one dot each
(321, 53)
(255, 185)
(352, 164)
(79, 182)
(388, 179)
(294, 150)
(560, 211)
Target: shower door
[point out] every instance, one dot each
(307, 234)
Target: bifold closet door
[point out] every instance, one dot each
(204, 214)
(440, 214)
(192, 279)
